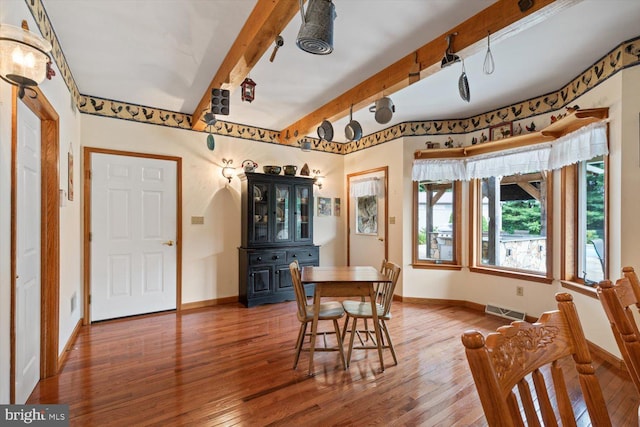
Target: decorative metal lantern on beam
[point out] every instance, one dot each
(248, 89)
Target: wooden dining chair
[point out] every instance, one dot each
(523, 354)
(330, 310)
(617, 301)
(362, 310)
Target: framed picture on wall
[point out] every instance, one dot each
(501, 131)
(324, 206)
(367, 215)
(70, 173)
(336, 206)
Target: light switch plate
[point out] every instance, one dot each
(392, 220)
(197, 220)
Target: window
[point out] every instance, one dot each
(585, 223)
(511, 223)
(437, 224)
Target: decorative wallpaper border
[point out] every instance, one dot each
(626, 54)
(46, 28)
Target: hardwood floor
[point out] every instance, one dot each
(229, 365)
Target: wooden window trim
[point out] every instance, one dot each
(474, 224)
(455, 264)
(569, 229)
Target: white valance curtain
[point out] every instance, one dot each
(365, 187)
(583, 144)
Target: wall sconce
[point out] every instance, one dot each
(24, 61)
(317, 178)
(248, 90)
(227, 169)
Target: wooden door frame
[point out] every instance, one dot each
(86, 175)
(385, 170)
(49, 233)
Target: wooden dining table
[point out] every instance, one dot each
(349, 281)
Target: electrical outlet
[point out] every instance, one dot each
(519, 291)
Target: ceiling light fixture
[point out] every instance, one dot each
(24, 61)
(316, 32)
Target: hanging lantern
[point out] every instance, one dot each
(248, 90)
(24, 61)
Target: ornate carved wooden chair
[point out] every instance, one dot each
(331, 310)
(362, 310)
(520, 355)
(617, 301)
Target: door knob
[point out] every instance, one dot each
(381, 239)
(168, 243)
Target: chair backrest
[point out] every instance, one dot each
(617, 301)
(301, 296)
(517, 355)
(385, 290)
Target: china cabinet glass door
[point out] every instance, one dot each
(282, 221)
(260, 211)
(303, 213)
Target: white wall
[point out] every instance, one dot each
(209, 251)
(13, 12)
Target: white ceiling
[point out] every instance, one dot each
(164, 53)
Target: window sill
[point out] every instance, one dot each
(513, 274)
(434, 266)
(589, 291)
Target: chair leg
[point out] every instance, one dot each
(301, 334)
(337, 328)
(353, 333)
(344, 329)
(383, 326)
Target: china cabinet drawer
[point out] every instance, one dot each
(304, 255)
(267, 257)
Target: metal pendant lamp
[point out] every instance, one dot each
(316, 32)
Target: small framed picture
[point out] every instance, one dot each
(501, 131)
(324, 206)
(336, 206)
(70, 173)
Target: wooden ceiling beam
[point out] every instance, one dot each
(267, 20)
(502, 19)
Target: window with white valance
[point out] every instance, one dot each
(552, 148)
(510, 228)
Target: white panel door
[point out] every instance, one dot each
(133, 235)
(366, 240)
(27, 312)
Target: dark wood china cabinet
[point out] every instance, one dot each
(277, 228)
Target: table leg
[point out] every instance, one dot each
(314, 326)
(376, 325)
